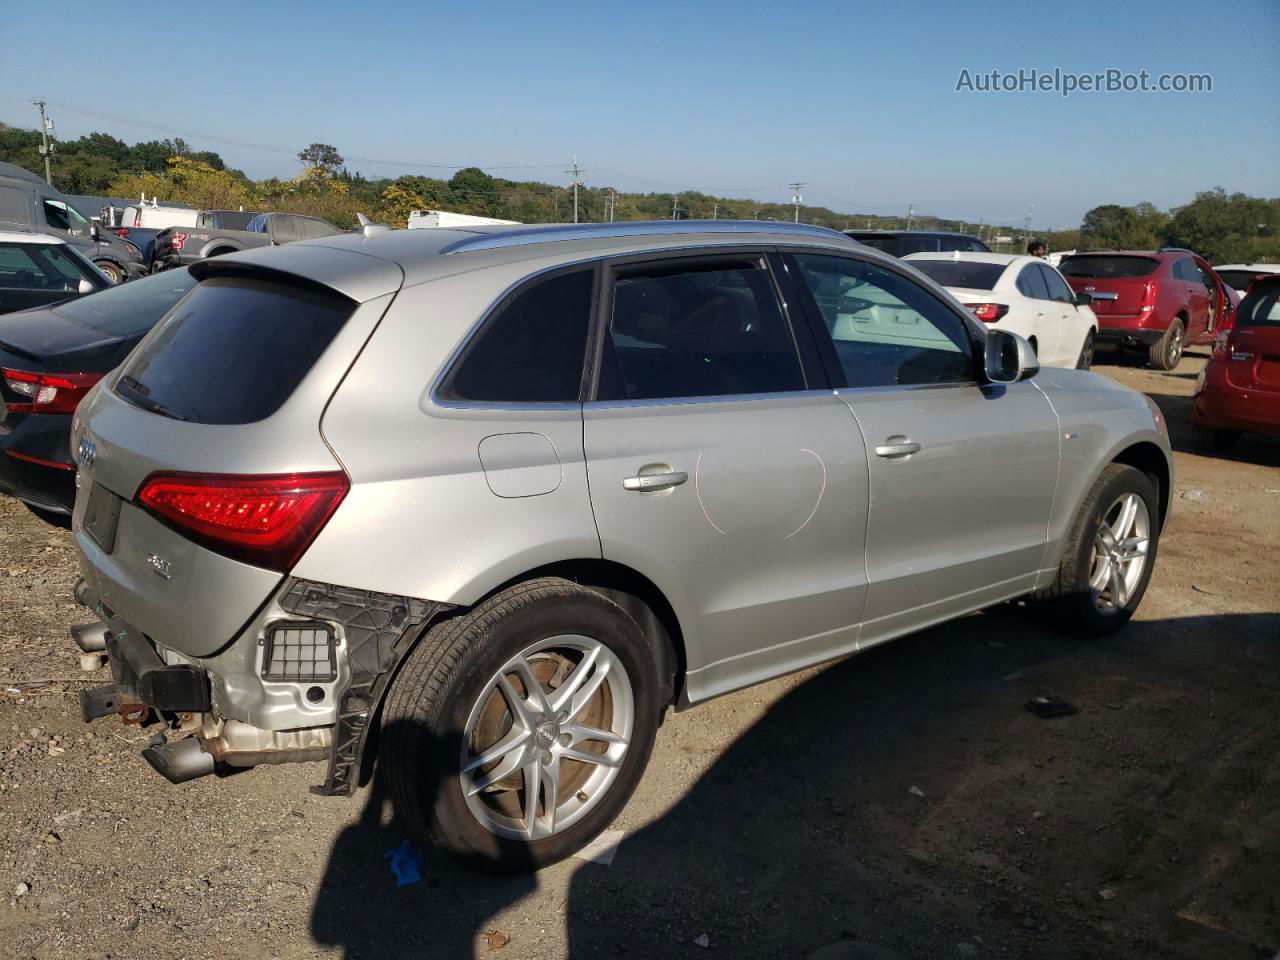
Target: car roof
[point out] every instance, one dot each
(369, 263)
(21, 236)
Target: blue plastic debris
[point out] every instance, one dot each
(406, 864)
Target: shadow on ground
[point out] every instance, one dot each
(1163, 791)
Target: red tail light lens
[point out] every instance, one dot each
(177, 240)
(267, 521)
(988, 312)
(122, 232)
(48, 392)
(1149, 292)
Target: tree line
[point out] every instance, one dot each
(1219, 226)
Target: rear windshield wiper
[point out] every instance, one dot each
(136, 393)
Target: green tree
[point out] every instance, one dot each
(1111, 227)
(473, 191)
(321, 155)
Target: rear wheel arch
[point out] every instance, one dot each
(221, 249)
(635, 593)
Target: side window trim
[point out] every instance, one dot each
(826, 346)
(619, 266)
(459, 355)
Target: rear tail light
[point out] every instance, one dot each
(267, 521)
(48, 392)
(988, 312)
(177, 240)
(122, 232)
(1148, 301)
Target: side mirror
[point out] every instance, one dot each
(85, 287)
(1083, 299)
(1008, 358)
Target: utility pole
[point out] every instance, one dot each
(796, 198)
(911, 212)
(715, 211)
(45, 124)
(613, 203)
(1026, 228)
(576, 172)
(675, 206)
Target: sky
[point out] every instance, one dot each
(857, 99)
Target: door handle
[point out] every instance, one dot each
(902, 448)
(649, 482)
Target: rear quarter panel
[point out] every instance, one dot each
(422, 519)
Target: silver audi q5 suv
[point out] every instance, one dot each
(486, 502)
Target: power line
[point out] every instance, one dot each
(269, 148)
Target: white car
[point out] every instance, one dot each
(1240, 275)
(1023, 295)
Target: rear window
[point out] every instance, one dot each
(234, 351)
(1237, 279)
(961, 273)
(1105, 268)
(130, 308)
(1261, 308)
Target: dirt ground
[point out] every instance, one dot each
(904, 797)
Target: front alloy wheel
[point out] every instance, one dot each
(1119, 553)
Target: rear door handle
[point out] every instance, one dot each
(903, 448)
(648, 482)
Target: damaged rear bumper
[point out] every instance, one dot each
(234, 708)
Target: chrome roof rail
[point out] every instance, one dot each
(634, 228)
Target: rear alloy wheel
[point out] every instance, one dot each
(111, 270)
(515, 733)
(1109, 555)
(1165, 353)
(1085, 361)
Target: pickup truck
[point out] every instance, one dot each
(182, 246)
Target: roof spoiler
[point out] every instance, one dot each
(368, 228)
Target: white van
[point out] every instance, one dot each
(423, 219)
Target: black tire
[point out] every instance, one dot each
(1165, 353)
(1216, 441)
(1069, 600)
(1085, 360)
(449, 671)
(111, 270)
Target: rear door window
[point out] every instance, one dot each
(531, 349)
(698, 330)
(15, 205)
(1057, 287)
(233, 351)
(1031, 282)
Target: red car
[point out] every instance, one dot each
(1239, 389)
(1158, 302)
